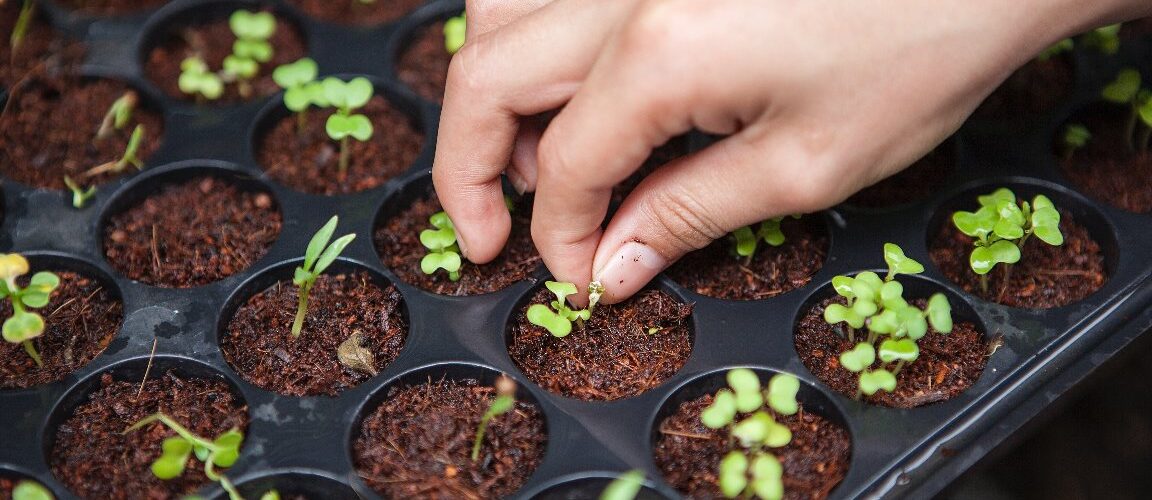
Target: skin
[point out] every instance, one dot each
(815, 103)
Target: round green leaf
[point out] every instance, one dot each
(455, 32)
(23, 326)
(898, 350)
(169, 466)
(871, 279)
(913, 322)
(753, 430)
(360, 127)
(437, 239)
(1050, 235)
(885, 323)
(940, 313)
(873, 381)
(898, 263)
(241, 66)
(864, 308)
(781, 394)
(993, 199)
(721, 412)
(296, 99)
(448, 261)
(1124, 88)
(624, 487)
(295, 74)
(778, 434)
(843, 286)
(357, 92)
(745, 241)
(767, 477)
(316, 96)
(252, 25)
(335, 92)
(836, 313)
(540, 315)
(733, 476)
(743, 380)
(858, 358)
(972, 224)
(31, 490)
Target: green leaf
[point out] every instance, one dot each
(357, 92)
(228, 451)
(781, 394)
(319, 241)
(296, 99)
(256, 50)
(976, 224)
(295, 74)
(1124, 88)
(843, 286)
(873, 381)
(940, 313)
(865, 308)
(340, 126)
(733, 476)
(448, 261)
(335, 92)
(332, 252)
(1144, 108)
(913, 322)
(983, 259)
(624, 487)
(721, 412)
(871, 279)
(993, 199)
(561, 289)
(885, 323)
(23, 326)
(1076, 136)
(770, 232)
(858, 358)
(864, 290)
(301, 276)
(898, 263)
(315, 91)
(746, 385)
(173, 458)
(540, 315)
(1049, 234)
(440, 220)
(252, 25)
(438, 239)
(745, 241)
(241, 67)
(455, 32)
(836, 313)
(898, 350)
(360, 127)
(270, 495)
(767, 477)
(1008, 229)
(28, 489)
(761, 428)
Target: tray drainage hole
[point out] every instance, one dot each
(74, 107)
(89, 452)
(716, 270)
(191, 232)
(82, 316)
(357, 13)
(414, 437)
(422, 63)
(1046, 276)
(356, 324)
(623, 350)
(295, 150)
(397, 241)
(947, 365)
(815, 460)
(1105, 167)
(203, 31)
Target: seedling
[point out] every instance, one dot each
(625, 487)
(1055, 49)
(504, 401)
(455, 31)
(1127, 89)
(118, 115)
(80, 195)
(300, 88)
(558, 319)
(749, 412)
(894, 326)
(1001, 227)
(317, 257)
(131, 156)
(1076, 136)
(347, 97)
(1105, 39)
(23, 21)
(28, 489)
(197, 80)
(443, 250)
(748, 240)
(220, 452)
(25, 325)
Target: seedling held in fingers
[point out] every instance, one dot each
(443, 250)
(748, 240)
(558, 318)
(1001, 227)
(317, 257)
(25, 325)
(455, 31)
(504, 401)
(347, 97)
(223, 451)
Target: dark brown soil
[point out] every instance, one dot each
(95, 458)
(716, 271)
(613, 356)
(311, 162)
(418, 443)
(192, 233)
(259, 342)
(81, 318)
(915, 183)
(1045, 277)
(41, 50)
(1107, 168)
(398, 243)
(49, 131)
(1035, 88)
(948, 364)
(112, 7)
(357, 13)
(689, 453)
(213, 42)
(675, 148)
(423, 63)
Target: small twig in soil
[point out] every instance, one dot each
(155, 253)
(689, 435)
(147, 368)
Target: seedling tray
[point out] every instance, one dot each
(304, 443)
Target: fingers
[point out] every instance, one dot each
(487, 15)
(496, 78)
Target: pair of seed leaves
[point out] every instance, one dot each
(195, 78)
(747, 240)
(1001, 221)
(1128, 89)
(24, 324)
(744, 395)
(766, 471)
(220, 452)
(252, 30)
(557, 320)
(858, 359)
(345, 97)
(444, 253)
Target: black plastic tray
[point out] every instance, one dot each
(305, 442)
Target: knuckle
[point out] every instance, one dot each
(683, 218)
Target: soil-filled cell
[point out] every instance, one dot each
(1115, 163)
(423, 62)
(916, 183)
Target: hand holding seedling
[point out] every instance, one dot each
(625, 76)
(317, 257)
(25, 325)
(557, 316)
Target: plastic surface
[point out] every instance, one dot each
(306, 441)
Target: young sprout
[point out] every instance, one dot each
(557, 319)
(747, 240)
(317, 257)
(80, 196)
(749, 469)
(346, 97)
(220, 452)
(1076, 136)
(1127, 90)
(1055, 49)
(196, 80)
(455, 29)
(504, 401)
(252, 30)
(118, 115)
(130, 156)
(1106, 39)
(443, 250)
(25, 325)
(270, 495)
(23, 21)
(28, 489)
(893, 324)
(625, 487)
(298, 81)
(1001, 227)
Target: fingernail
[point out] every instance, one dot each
(463, 246)
(518, 183)
(629, 270)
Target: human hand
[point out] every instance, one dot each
(815, 102)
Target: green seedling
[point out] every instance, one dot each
(196, 80)
(893, 325)
(252, 30)
(749, 468)
(25, 325)
(1105, 39)
(455, 31)
(443, 249)
(748, 240)
(223, 451)
(558, 318)
(1001, 227)
(298, 79)
(504, 401)
(131, 156)
(23, 21)
(1061, 47)
(28, 489)
(625, 487)
(270, 495)
(118, 115)
(1128, 90)
(347, 97)
(317, 257)
(1076, 136)
(80, 195)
